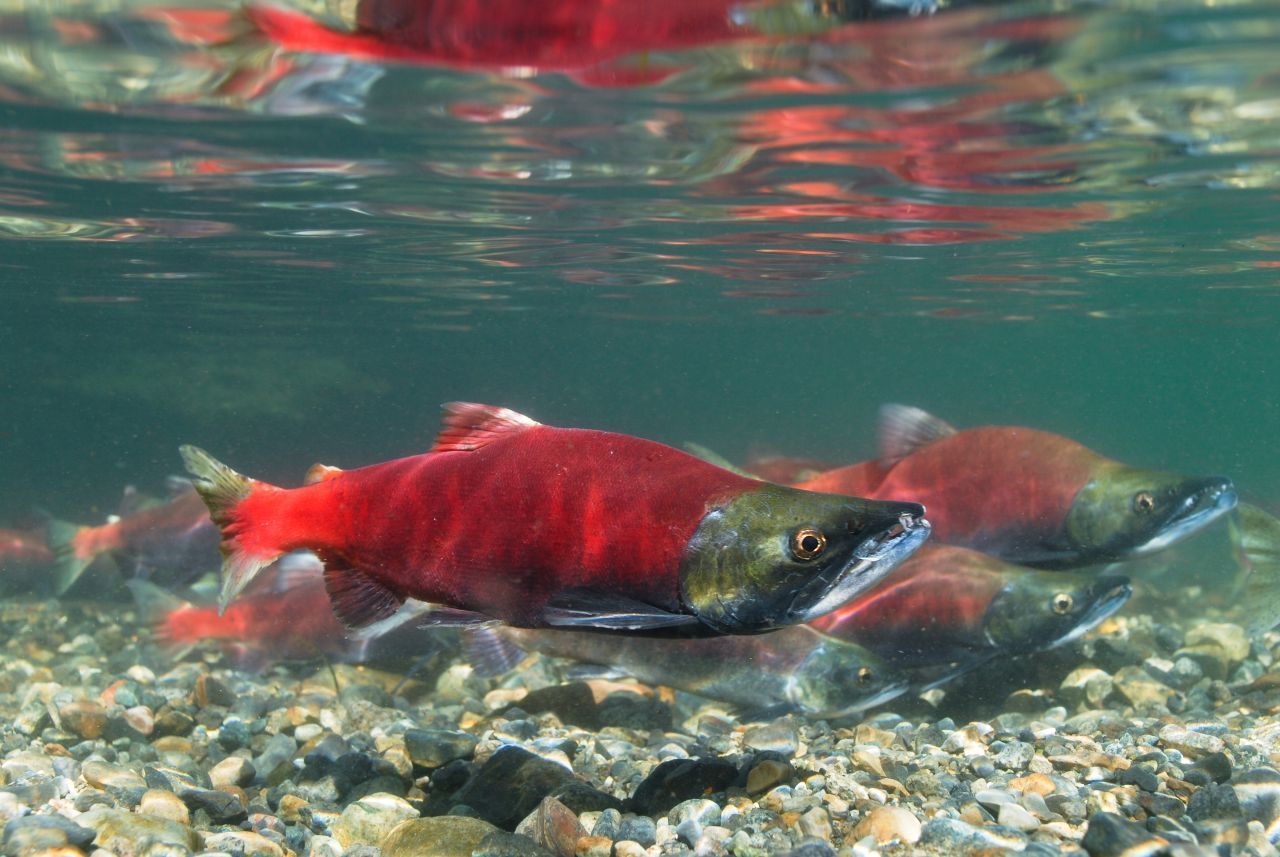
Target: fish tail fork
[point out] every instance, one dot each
(224, 491)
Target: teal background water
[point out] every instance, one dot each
(1062, 217)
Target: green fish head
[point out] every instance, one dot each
(1124, 512)
(840, 678)
(776, 556)
(1038, 610)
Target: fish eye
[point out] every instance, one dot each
(1062, 603)
(1144, 502)
(864, 675)
(808, 543)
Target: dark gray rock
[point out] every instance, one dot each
(1111, 835)
(638, 828)
(608, 824)
(510, 785)
(1214, 801)
(573, 703)
(1140, 776)
(678, 780)
(222, 807)
(581, 797)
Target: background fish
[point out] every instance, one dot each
(1028, 496)
(953, 605)
(285, 615)
(791, 669)
(175, 541)
(1255, 538)
(538, 526)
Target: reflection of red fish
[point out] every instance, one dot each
(586, 37)
(1028, 496)
(506, 518)
(175, 540)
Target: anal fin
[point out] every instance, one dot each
(358, 598)
(488, 651)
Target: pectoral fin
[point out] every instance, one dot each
(586, 609)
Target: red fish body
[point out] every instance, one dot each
(20, 547)
(535, 525)
(580, 492)
(986, 488)
(953, 604)
(174, 541)
(1028, 496)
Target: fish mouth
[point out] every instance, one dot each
(1212, 499)
(870, 561)
(1116, 590)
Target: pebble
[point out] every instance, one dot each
(889, 823)
(244, 842)
(159, 803)
(232, 771)
(778, 737)
(370, 819)
(1015, 816)
(553, 826)
(767, 774)
(434, 748)
(443, 836)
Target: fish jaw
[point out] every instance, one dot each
(1126, 512)
(1116, 592)
(875, 559)
(743, 570)
(1216, 498)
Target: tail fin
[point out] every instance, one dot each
(68, 564)
(222, 490)
(155, 605)
(159, 609)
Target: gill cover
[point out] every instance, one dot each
(772, 556)
(1126, 511)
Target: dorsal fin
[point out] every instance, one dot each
(904, 429)
(469, 426)
(320, 473)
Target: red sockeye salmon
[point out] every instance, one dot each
(950, 604)
(1028, 496)
(505, 518)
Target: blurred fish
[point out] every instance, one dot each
(1255, 538)
(285, 616)
(791, 669)
(953, 605)
(23, 547)
(173, 541)
(1028, 496)
(537, 526)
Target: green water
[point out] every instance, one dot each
(1059, 216)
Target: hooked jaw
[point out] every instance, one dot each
(872, 560)
(1211, 500)
(1116, 591)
